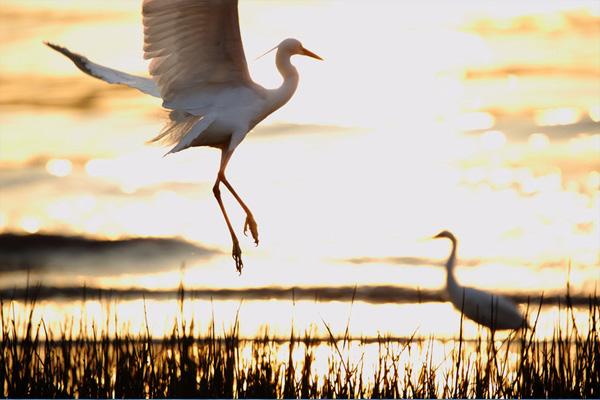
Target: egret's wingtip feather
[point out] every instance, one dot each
(107, 74)
(61, 49)
(53, 46)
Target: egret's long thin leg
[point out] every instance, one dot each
(250, 222)
(236, 252)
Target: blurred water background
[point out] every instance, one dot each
(472, 116)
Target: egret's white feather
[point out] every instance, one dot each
(190, 135)
(180, 123)
(222, 97)
(485, 308)
(193, 44)
(145, 85)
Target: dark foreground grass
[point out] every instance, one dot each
(43, 364)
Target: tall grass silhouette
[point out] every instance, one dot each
(36, 362)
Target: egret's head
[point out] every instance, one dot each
(445, 234)
(293, 46)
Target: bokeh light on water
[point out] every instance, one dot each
(479, 119)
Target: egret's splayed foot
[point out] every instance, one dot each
(251, 224)
(236, 253)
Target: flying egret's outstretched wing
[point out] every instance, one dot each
(193, 43)
(109, 75)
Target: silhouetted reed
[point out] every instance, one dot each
(36, 362)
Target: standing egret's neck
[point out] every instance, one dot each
(278, 97)
(450, 280)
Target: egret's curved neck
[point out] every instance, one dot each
(278, 97)
(450, 279)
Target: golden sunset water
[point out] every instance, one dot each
(475, 117)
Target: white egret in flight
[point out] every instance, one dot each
(199, 69)
(495, 312)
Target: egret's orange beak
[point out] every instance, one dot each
(309, 53)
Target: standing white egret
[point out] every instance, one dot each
(495, 312)
(199, 69)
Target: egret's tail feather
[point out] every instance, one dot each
(179, 124)
(182, 130)
(193, 133)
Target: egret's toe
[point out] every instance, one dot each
(251, 224)
(236, 253)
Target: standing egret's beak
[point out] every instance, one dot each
(309, 53)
